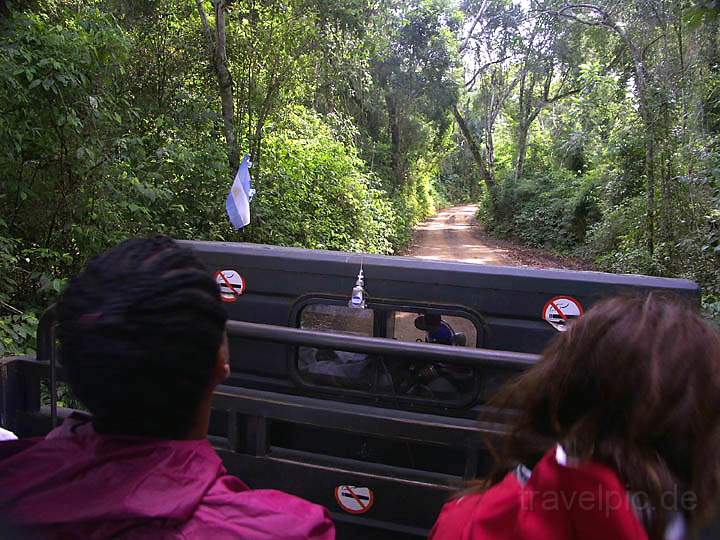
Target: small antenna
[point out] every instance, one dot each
(358, 297)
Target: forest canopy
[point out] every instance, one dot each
(591, 129)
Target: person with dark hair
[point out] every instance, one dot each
(615, 433)
(142, 340)
(438, 331)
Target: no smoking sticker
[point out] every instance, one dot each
(559, 311)
(231, 284)
(354, 499)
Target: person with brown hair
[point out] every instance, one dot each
(623, 412)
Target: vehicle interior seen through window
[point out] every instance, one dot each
(390, 376)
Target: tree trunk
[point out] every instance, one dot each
(225, 85)
(485, 170)
(523, 138)
(650, 173)
(523, 130)
(528, 111)
(667, 197)
(217, 48)
(711, 53)
(648, 120)
(394, 128)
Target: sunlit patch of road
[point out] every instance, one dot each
(450, 235)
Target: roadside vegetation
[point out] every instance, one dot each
(590, 130)
(129, 117)
(596, 129)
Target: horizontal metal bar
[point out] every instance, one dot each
(21, 360)
(418, 351)
(318, 482)
(365, 419)
(412, 478)
(368, 527)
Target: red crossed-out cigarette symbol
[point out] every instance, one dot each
(355, 500)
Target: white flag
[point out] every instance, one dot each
(241, 193)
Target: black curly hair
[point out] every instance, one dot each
(139, 331)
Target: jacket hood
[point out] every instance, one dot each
(554, 501)
(76, 475)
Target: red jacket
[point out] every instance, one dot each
(76, 483)
(581, 502)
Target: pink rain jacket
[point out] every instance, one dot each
(76, 483)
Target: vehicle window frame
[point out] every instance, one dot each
(386, 305)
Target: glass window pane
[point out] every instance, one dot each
(388, 376)
(434, 328)
(338, 319)
(337, 368)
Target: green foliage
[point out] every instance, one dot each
(625, 168)
(63, 114)
(551, 211)
(415, 74)
(64, 397)
(17, 334)
(703, 12)
(17, 328)
(111, 128)
(315, 192)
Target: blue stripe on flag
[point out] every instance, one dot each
(233, 213)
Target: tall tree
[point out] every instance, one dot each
(638, 35)
(488, 44)
(416, 75)
(217, 50)
(547, 74)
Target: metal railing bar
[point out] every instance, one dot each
(53, 378)
(418, 351)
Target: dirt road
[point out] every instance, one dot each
(454, 234)
(450, 235)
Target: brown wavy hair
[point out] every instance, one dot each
(633, 384)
